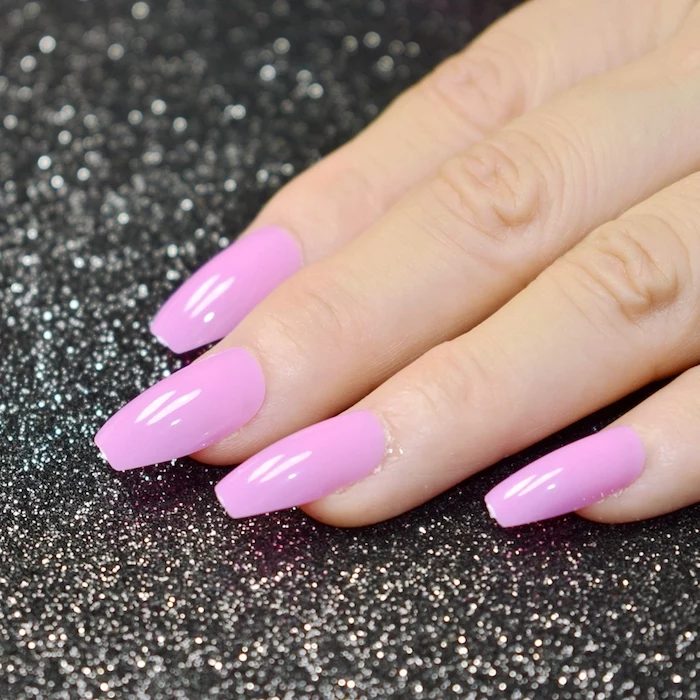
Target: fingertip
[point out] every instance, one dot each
(493, 512)
(337, 512)
(163, 333)
(605, 514)
(218, 455)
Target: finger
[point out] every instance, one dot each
(617, 312)
(643, 465)
(459, 246)
(541, 48)
(667, 425)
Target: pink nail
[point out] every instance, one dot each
(307, 465)
(574, 476)
(220, 294)
(185, 412)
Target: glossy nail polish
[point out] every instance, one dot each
(221, 293)
(185, 412)
(307, 465)
(574, 476)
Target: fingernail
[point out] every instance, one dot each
(307, 465)
(220, 294)
(185, 412)
(574, 476)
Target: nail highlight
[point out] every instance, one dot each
(222, 292)
(307, 465)
(574, 476)
(185, 412)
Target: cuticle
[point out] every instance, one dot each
(392, 448)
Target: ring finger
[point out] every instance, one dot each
(616, 312)
(462, 244)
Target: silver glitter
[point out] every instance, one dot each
(64, 114)
(350, 44)
(412, 49)
(281, 46)
(315, 90)
(28, 64)
(372, 40)
(115, 51)
(158, 107)
(140, 10)
(396, 47)
(137, 585)
(385, 64)
(268, 73)
(235, 111)
(47, 44)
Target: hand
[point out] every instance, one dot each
(512, 245)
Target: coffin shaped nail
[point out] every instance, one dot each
(574, 476)
(222, 292)
(185, 412)
(307, 465)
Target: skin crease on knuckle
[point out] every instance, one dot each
(634, 268)
(501, 190)
(482, 86)
(534, 187)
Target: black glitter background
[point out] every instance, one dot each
(135, 140)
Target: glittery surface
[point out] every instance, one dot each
(135, 140)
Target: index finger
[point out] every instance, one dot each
(540, 49)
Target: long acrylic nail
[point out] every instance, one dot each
(221, 293)
(307, 465)
(185, 412)
(574, 476)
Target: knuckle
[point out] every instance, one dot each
(277, 334)
(315, 311)
(497, 188)
(322, 201)
(481, 85)
(634, 267)
(330, 309)
(448, 379)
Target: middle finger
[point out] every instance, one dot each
(464, 242)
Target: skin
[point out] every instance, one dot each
(521, 228)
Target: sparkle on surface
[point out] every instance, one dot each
(136, 140)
